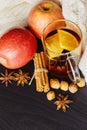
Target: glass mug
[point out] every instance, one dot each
(62, 48)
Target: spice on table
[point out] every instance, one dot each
(62, 102)
(54, 83)
(21, 78)
(64, 85)
(39, 87)
(50, 95)
(73, 88)
(41, 75)
(7, 77)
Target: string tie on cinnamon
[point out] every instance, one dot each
(36, 71)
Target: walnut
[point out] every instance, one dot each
(64, 85)
(50, 95)
(73, 88)
(54, 83)
(81, 83)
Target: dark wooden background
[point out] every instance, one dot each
(22, 108)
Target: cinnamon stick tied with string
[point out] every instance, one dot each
(39, 88)
(41, 73)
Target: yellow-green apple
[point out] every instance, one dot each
(17, 48)
(42, 14)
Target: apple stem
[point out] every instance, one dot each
(46, 6)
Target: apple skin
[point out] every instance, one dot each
(17, 48)
(42, 14)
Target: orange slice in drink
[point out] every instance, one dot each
(53, 45)
(67, 40)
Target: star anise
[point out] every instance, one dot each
(62, 102)
(21, 78)
(6, 78)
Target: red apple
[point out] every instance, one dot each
(42, 14)
(17, 48)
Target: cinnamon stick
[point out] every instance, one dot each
(37, 75)
(46, 86)
(41, 76)
(42, 72)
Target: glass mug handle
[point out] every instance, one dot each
(72, 70)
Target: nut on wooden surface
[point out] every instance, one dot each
(64, 85)
(54, 83)
(73, 88)
(50, 95)
(81, 83)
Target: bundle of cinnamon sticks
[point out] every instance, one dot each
(41, 75)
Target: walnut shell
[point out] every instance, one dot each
(73, 88)
(54, 83)
(81, 83)
(64, 85)
(50, 95)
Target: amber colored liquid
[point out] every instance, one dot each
(58, 65)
